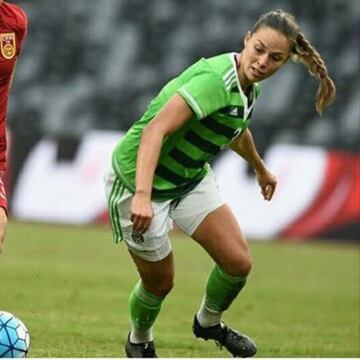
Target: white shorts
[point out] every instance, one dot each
(187, 212)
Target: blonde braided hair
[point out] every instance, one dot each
(306, 54)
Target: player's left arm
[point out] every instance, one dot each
(244, 145)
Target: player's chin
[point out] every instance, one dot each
(256, 77)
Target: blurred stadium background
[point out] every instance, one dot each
(89, 68)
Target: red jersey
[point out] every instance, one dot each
(13, 28)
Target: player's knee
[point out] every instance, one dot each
(161, 289)
(165, 288)
(239, 266)
(245, 266)
(160, 286)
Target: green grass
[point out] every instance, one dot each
(70, 286)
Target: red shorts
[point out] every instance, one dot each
(3, 199)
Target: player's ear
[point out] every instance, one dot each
(247, 37)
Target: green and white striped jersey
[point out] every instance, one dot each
(212, 89)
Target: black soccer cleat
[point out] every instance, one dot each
(143, 350)
(237, 344)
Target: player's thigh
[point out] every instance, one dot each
(190, 210)
(220, 235)
(204, 215)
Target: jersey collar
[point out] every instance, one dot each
(244, 98)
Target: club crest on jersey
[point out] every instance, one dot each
(8, 45)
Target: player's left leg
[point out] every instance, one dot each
(212, 224)
(220, 235)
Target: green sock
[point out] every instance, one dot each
(221, 289)
(144, 308)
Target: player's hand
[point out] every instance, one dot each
(267, 182)
(141, 212)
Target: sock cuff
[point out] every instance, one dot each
(209, 307)
(146, 296)
(229, 278)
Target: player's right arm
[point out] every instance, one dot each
(173, 115)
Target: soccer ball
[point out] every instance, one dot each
(14, 337)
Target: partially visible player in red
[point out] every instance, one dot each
(13, 28)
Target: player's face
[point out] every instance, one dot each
(264, 53)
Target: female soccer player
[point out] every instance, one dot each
(161, 173)
(13, 28)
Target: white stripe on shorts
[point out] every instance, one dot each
(115, 195)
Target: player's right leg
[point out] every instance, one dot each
(153, 258)
(145, 303)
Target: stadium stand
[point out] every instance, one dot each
(95, 64)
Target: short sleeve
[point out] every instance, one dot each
(205, 93)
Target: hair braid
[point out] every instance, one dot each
(306, 54)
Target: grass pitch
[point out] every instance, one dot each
(70, 286)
